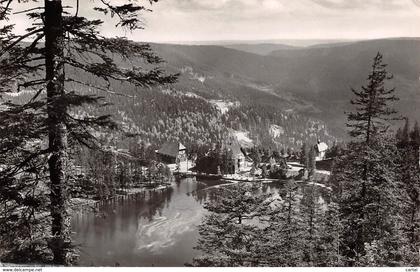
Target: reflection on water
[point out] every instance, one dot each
(155, 228)
(163, 231)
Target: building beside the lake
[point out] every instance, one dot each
(172, 152)
(238, 161)
(320, 149)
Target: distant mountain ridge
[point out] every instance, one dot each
(263, 49)
(286, 42)
(283, 99)
(312, 80)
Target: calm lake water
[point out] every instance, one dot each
(155, 228)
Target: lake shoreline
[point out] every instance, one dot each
(80, 204)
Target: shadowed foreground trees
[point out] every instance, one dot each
(246, 227)
(226, 237)
(372, 205)
(372, 194)
(60, 40)
(408, 143)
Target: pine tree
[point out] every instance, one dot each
(311, 215)
(226, 236)
(405, 133)
(371, 195)
(328, 251)
(255, 156)
(303, 154)
(372, 104)
(71, 43)
(415, 134)
(408, 173)
(399, 135)
(285, 238)
(371, 203)
(311, 162)
(24, 225)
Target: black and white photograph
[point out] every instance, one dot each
(173, 134)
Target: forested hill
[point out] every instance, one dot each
(312, 80)
(326, 74)
(159, 115)
(281, 100)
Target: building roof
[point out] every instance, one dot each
(321, 147)
(234, 146)
(171, 149)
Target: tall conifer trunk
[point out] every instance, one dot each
(46, 117)
(56, 109)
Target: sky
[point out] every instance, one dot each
(216, 20)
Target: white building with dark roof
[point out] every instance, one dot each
(320, 148)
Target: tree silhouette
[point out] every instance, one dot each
(37, 61)
(372, 104)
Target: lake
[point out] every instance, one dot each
(153, 228)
